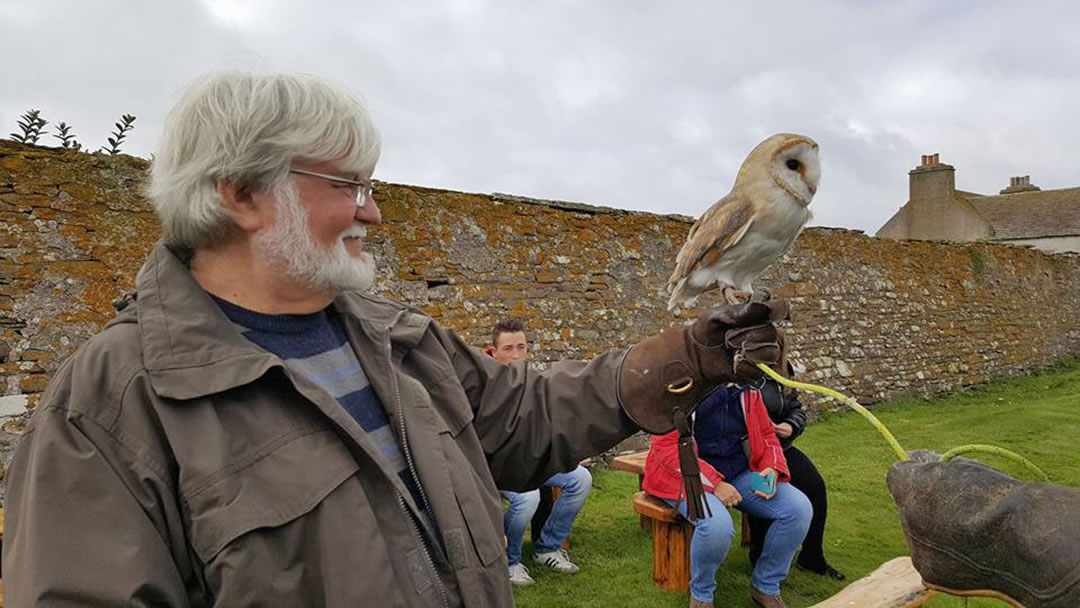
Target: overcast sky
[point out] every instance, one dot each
(622, 103)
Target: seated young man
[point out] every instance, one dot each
(509, 344)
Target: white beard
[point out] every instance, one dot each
(289, 247)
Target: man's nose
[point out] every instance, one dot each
(368, 213)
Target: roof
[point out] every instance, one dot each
(1028, 215)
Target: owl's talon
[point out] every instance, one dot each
(734, 296)
(730, 295)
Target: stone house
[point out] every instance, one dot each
(1021, 214)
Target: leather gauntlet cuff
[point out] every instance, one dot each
(680, 366)
(663, 373)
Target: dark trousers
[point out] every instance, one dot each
(805, 477)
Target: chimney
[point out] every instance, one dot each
(932, 180)
(1021, 183)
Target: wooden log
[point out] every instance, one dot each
(895, 584)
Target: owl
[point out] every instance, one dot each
(743, 233)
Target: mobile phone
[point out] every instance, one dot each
(763, 483)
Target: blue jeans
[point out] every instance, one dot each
(790, 512)
(575, 488)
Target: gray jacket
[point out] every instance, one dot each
(173, 462)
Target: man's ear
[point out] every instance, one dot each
(489, 350)
(249, 210)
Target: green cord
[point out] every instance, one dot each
(993, 449)
(893, 443)
(900, 453)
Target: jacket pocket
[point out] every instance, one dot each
(487, 544)
(481, 513)
(271, 487)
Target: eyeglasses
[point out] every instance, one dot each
(364, 189)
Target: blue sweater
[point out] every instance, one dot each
(315, 347)
(719, 429)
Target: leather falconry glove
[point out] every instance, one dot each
(664, 377)
(974, 530)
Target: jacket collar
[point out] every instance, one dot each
(191, 349)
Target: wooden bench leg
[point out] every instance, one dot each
(744, 539)
(671, 554)
(641, 482)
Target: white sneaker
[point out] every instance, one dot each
(558, 561)
(519, 575)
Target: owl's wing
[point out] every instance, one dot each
(720, 228)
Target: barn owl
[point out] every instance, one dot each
(743, 233)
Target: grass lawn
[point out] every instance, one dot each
(1036, 416)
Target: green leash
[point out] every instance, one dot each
(993, 449)
(889, 438)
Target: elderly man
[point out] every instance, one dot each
(252, 429)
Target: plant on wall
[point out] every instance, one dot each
(31, 124)
(122, 127)
(67, 140)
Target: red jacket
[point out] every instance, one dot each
(663, 477)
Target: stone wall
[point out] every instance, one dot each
(874, 318)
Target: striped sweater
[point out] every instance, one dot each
(315, 347)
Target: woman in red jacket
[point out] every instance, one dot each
(721, 423)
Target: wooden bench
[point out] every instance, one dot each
(671, 536)
(896, 584)
(632, 463)
(635, 463)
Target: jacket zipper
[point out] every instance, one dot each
(412, 467)
(427, 555)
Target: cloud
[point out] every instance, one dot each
(636, 105)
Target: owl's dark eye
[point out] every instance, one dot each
(793, 164)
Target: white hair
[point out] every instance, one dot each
(247, 129)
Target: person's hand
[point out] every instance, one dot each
(766, 472)
(727, 494)
(680, 365)
(783, 430)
